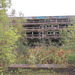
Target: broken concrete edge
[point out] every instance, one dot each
(41, 66)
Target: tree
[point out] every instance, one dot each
(68, 35)
(68, 40)
(8, 36)
(13, 12)
(17, 22)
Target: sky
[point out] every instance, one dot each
(43, 7)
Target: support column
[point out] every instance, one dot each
(32, 34)
(56, 20)
(43, 32)
(62, 20)
(58, 26)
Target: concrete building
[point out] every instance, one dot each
(45, 27)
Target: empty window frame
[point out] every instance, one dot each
(35, 32)
(28, 32)
(57, 32)
(40, 32)
(59, 20)
(48, 25)
(50, 32)
(55, 25)
(52, 20)
(65, 20)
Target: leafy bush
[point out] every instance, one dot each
(45, 55)
(71, 58)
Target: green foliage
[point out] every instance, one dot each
(23, 48)
(7, 42)
(71, 58)
(5, 3)
(45, 55)
(8, 38)
(18, 24)
(21, 71)
(68, 40)
(68, 36)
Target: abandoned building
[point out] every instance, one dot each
(45, 27)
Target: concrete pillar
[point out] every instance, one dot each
(32, 34)
(43, 34)
(56, 20)
(62, 20)
(58, 26)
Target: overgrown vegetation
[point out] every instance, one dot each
(8, 38)
(33, 72)
(14, 48)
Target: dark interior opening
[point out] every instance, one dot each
(28, 32)
(51, 32)
(35, 32)
(48, 32)
(56, 32)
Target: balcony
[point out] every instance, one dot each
(32, 36)
(53, 36)
(45, 28)
(45, 23)
(40, 36)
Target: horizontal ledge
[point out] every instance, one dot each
(40, 66)
(46, 23)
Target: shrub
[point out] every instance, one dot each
(45, 55)
(71, 58)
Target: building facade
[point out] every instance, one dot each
(45, 27)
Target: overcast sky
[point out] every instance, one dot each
(43, 7)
